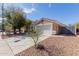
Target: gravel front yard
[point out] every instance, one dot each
(55, 46)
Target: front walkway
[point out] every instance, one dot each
(14, 45)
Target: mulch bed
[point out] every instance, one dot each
(54, 46)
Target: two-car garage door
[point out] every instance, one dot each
(46, 29)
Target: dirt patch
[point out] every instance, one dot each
(55, 46)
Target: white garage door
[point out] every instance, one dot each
(46, 29)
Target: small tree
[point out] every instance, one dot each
(8, 28)
(35, 35)
(15, 16)
(28, 24)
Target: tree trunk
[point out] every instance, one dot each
(14, 30)
(35, 45)
(19, 30)
(26, 29)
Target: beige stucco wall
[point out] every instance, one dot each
(55, 27)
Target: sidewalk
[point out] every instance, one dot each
(4, 49)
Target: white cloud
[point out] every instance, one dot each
(26, 10)
(29, 10)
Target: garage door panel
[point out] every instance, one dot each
(46, 29)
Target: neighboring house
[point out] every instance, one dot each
(77, 30)
(49, 26)
(77, 27)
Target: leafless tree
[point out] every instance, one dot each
(35, 35)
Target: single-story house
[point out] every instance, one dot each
(49, 26)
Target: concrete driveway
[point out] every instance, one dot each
(14, 45)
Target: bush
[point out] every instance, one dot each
(41, 47)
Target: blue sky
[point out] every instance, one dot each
(64, 13)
